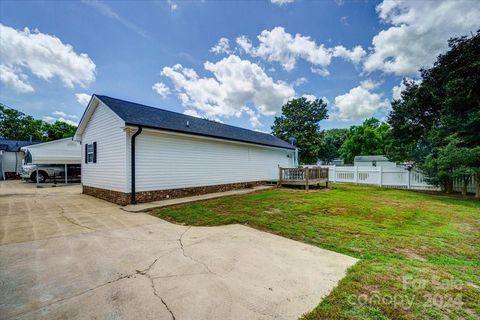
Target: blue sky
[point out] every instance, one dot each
(167, 54)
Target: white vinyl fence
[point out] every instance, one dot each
(388, 177)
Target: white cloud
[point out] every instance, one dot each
(253, 117)
(277, 45)
(311, 97)
(62, 117)
(344, 20)
(245, 44)
(71, 122)
(108, 12)
(193, 113)
(43, 55)
(397, 90)
(369, 84)
(235, 84)
(320, 71)
(419, 32)
(281, 2)
(49, 119)
(299, 81)
(355, 55)
(339, 2)
(222, 46)
(173, 5)
(15, 80)
(359, 103)
(83, 98)
(161, 89)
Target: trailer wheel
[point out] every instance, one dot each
(42, 176)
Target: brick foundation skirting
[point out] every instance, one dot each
(123, 199)
(117, 197)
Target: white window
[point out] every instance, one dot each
(90, 153)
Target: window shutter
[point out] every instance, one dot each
(95, 152)
(86, 153)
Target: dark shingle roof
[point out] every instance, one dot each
(150, 117)
(13, 145)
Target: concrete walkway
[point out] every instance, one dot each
(143, 207)
(65, 255)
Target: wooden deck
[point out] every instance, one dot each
(303, 176)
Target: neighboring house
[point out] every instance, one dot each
(11, 156)
(373, 161)
(132, 152)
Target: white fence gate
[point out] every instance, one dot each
(389, 177)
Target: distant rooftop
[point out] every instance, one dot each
(14, 145)
(371, 158)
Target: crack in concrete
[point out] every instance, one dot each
(180, 275)
(62, 214)
(122, 277)
(180, 241)
(145, 273)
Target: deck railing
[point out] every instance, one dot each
(302, 174)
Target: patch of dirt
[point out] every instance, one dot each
(330, 211)
(464, 227)
(408, 253)
(272, 211)
(311, 190)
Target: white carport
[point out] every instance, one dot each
(57, 152)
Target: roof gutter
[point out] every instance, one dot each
(132, 152)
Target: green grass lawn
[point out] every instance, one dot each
(419, 253)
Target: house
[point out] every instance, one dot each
(136, 153)
(373, 161)
(11, 156)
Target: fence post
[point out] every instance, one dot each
(356, 174)
(408, 179)
(307, 173)
(380, 173)
(334, 174)
(279, 176)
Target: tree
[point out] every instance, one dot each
(370, 138)
(332, 141)
(59, 130)
(441, 114)
(300, 119)
(16, 125)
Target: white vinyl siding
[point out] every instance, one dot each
(109, 172)
(169, 161)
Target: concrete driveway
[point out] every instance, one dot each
(65, 255)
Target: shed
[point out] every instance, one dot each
(373, 161)
(11, 156)
(133, 152)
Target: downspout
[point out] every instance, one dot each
(132, 152)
